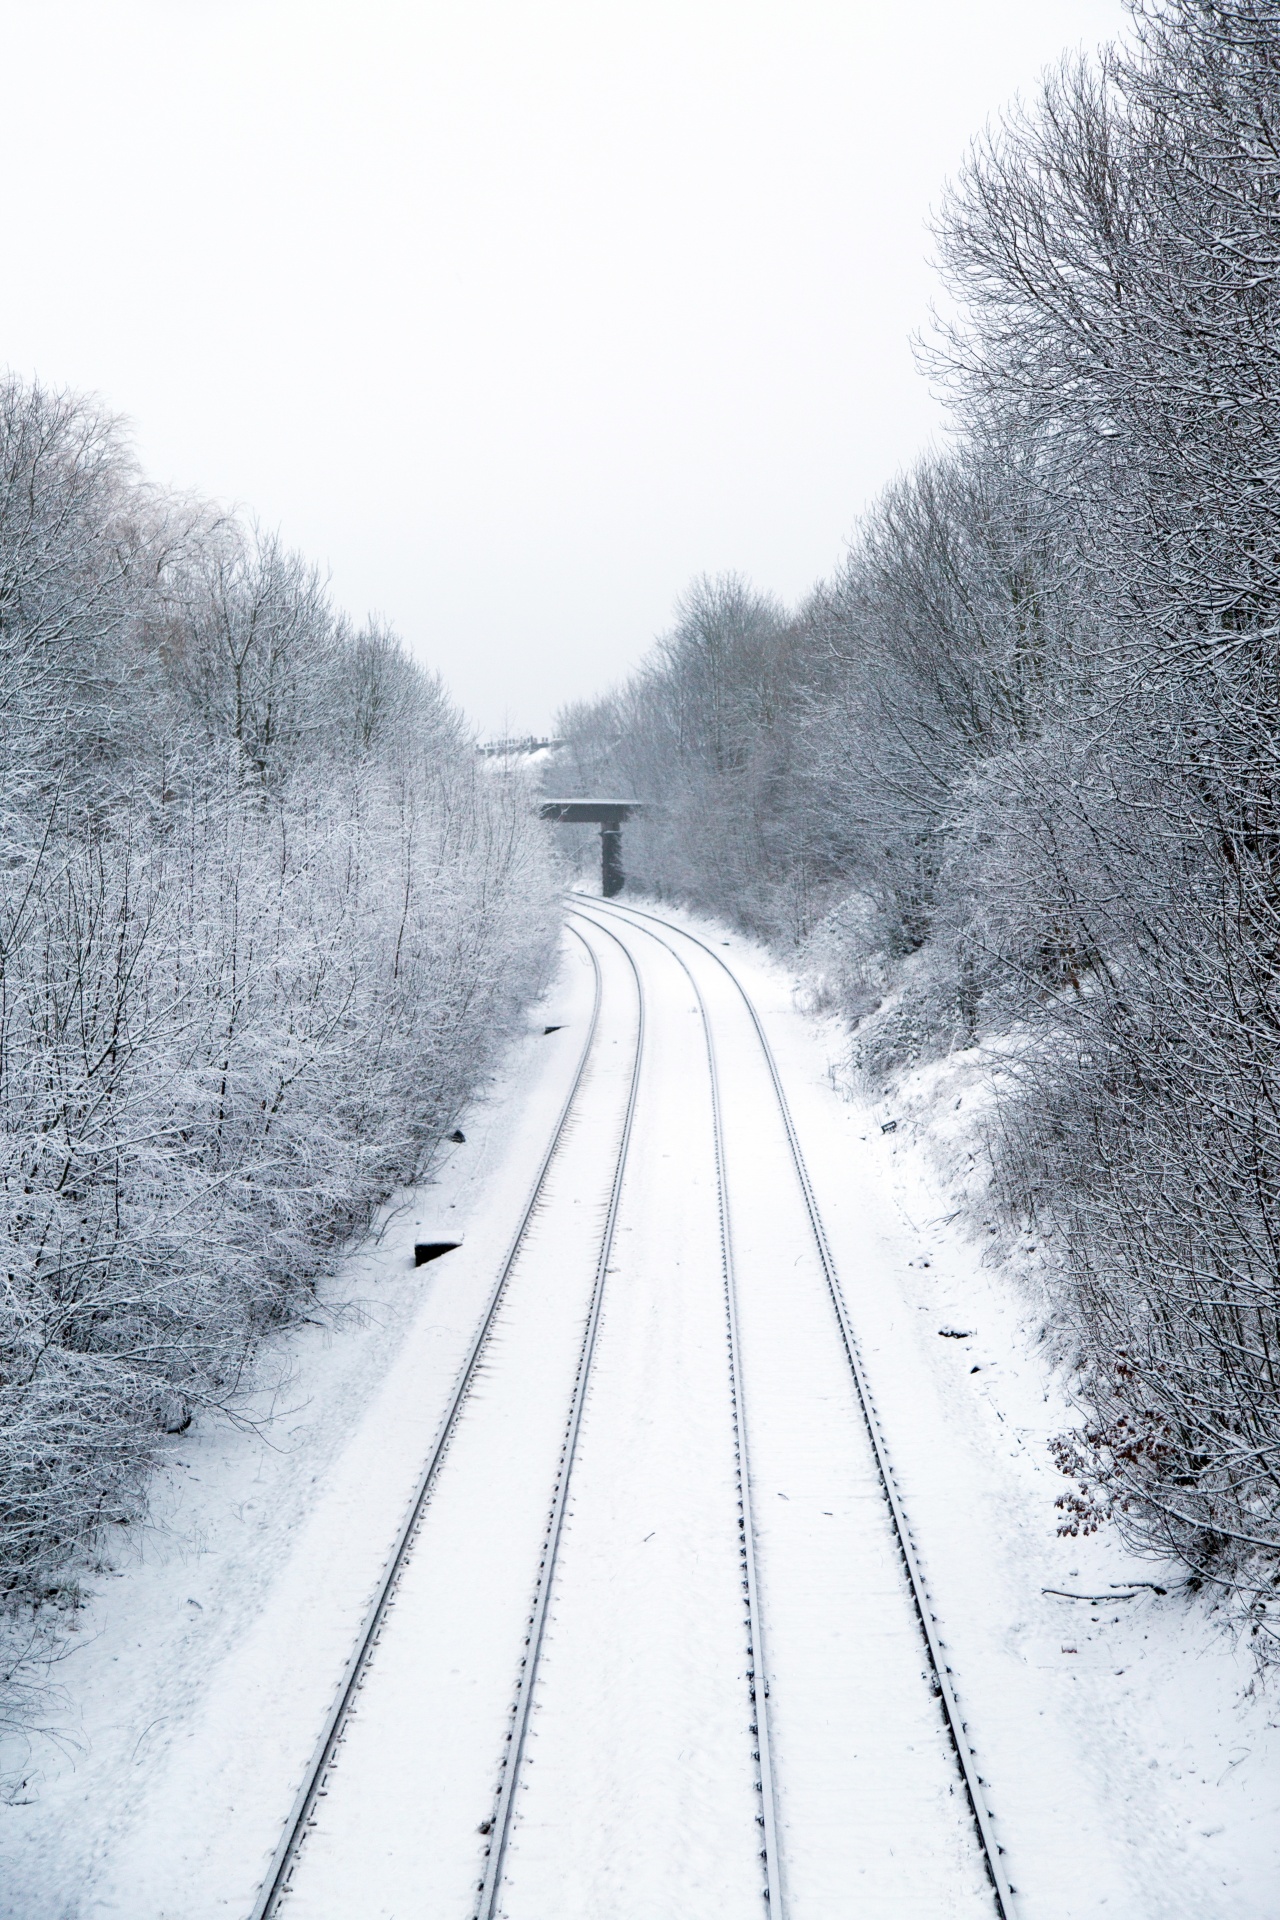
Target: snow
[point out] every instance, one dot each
(1133, 1763)
(419, 1767)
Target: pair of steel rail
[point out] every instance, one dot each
(939, 1668)
(276, 1884)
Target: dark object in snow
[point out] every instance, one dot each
(955, 1333)
(547, 1030)
(975, 1369)
(425, 1250)
(485, 1826)
(888, 1126)
(609, 816)
(174, 1413)
(457, 1136)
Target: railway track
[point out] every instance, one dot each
(940, 1671)
(500, 1824)
(757, 1672)
(279, 1876)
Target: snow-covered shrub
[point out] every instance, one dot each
(846, 961)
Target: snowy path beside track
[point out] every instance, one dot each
(1130, 1775)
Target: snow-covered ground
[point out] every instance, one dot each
(1132, 1764)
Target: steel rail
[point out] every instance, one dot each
(941, 1673)
(757, 1674)
(275, 1884)
(500, 1825)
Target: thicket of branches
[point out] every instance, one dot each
(261, 926)
(1018, 763)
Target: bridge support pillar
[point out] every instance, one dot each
(611, 874)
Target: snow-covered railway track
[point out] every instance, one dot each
(757, 1672)
(670, 936)
(740, 1874)
(279, 1881)
(526, 1682)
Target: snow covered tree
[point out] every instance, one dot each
(262, 926)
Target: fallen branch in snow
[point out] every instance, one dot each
(1059, 1594)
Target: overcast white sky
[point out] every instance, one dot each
(515, 315)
